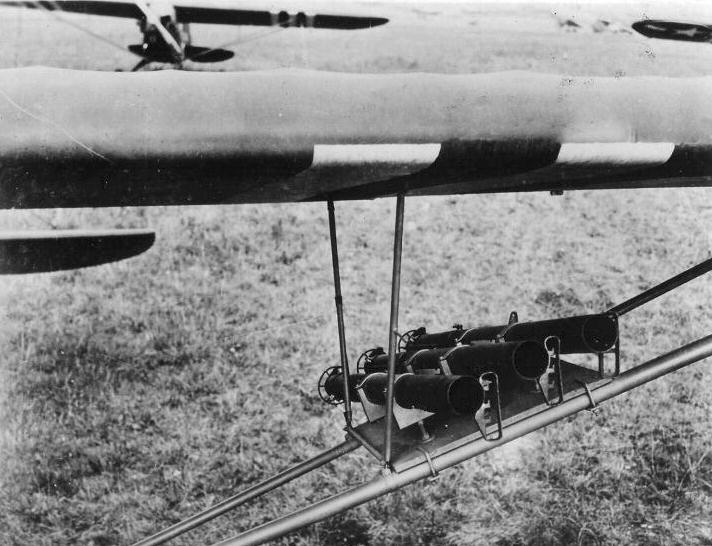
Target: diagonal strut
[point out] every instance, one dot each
(393, 326)
(340, 314)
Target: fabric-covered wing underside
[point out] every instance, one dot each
(70, 139)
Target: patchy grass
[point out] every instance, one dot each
(140, 392)
(135, 394)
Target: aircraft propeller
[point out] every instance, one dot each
(162, 41)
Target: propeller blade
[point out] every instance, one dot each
(153, 19)
(139, 65)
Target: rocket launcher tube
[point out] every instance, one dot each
(580, 334)
(513, 361)
(379, 363)
(433, 393)
(334, 385)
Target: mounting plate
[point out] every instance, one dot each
(451, 431)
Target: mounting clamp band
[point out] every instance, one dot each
(434, 475)
(594, 406)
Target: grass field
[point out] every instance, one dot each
(137, 393)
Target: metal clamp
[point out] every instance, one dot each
(553, 347)
(434, 474)
(594, 407)
(444, 366)
(616, 354)
(490, 382)
(513, 319)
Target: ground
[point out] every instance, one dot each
(137, 393)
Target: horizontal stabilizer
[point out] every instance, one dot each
(55, 250)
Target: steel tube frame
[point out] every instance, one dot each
(393, 327)
(255, 491)
(626, 381)
(340, 314)
(351, 431)
(338, 300)
(662, 288)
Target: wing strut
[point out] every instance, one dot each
(393, 327)
(340, 314)
(662, 288)
(350, 430)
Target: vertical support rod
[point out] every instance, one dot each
(393, 326)
(340, 314)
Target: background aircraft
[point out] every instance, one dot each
(165, 26)
(175, 343)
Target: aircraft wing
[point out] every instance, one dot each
(127, 10)
(89, 139)
(221, 13)
(55, 250)
(674, 30)
(290, 14)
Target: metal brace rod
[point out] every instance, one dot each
(393, 327)
(355, 434)
(248, 494)
(340, 315)
(626, 381)
(662, 288)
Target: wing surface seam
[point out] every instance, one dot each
(53, 124)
